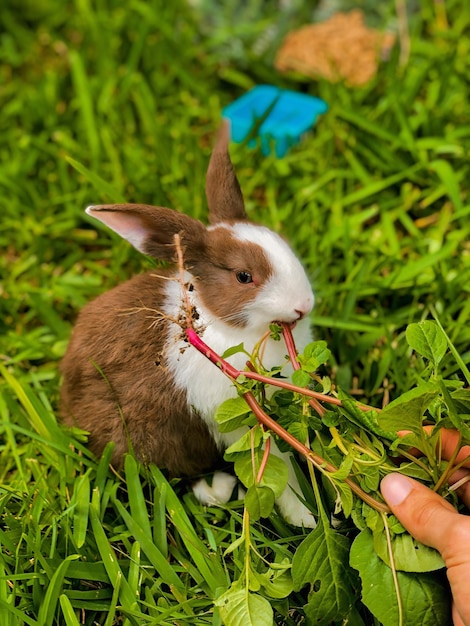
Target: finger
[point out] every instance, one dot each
(456, 619)
(450, 439)
(433, 521)
(460, 482)
(426, 515)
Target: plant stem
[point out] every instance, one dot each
(450, 465)
(292, 352)
(394, 571)
(264, 460)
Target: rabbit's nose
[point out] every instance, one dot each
(303, 307)
(303, 310)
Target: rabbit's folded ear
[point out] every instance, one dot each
(224, 196)
(152, 229)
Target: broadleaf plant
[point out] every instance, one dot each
(349, 448)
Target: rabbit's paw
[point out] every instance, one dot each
(219, 492)
(294, 511)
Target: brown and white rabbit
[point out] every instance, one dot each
(130, 377)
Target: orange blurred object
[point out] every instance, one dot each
(340, 48)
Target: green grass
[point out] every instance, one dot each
(105, 101)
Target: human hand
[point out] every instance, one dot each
(436, 523)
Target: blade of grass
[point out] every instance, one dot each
(104, 188)
(138, 506)
(208, 564)
(159, 519)
(48, 606)
(450, 180)
(108, 556)
(40, 418)
(380, 185)
(452, 348)
(68, 611)
(164, 569)
(81, 501)
(134, 569)
(112, 609)
(85, 98)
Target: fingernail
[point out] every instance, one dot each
(395, 488)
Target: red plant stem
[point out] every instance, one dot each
(264, 460)
(234, 373)
(204, 349)
(292, 352)
(290, 345)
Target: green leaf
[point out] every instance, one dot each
(346, 498)
(300, 378)
(406, 412)
(276, 583)
(364, 419)
(231, 414)
(425, 597)
(331, 418)
(234, 350)
(321, 560)
(249, 440)
(259, 501)
(427, 339)
(315, 354)
(344, 469)
(297, 429)
(239, 607)
(275, 474)
(370, 478)
(409, 555)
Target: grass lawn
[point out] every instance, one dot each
(106, 102)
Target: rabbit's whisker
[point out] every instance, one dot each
(156, 315)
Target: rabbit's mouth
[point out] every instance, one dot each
(290, 325)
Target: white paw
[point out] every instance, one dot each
(294, 511)
(219, 492)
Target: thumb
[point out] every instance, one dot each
(424, 514)
(435, 522)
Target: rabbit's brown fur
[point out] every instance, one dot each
(125, 322)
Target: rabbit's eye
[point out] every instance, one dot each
(244, 278)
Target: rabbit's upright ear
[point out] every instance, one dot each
(152, 229)
(224, 196)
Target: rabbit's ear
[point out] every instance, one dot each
(152, 229)
(224, 196)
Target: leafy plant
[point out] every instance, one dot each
(351, 447)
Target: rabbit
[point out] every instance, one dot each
(128, 374)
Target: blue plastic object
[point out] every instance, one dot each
(282, 116)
